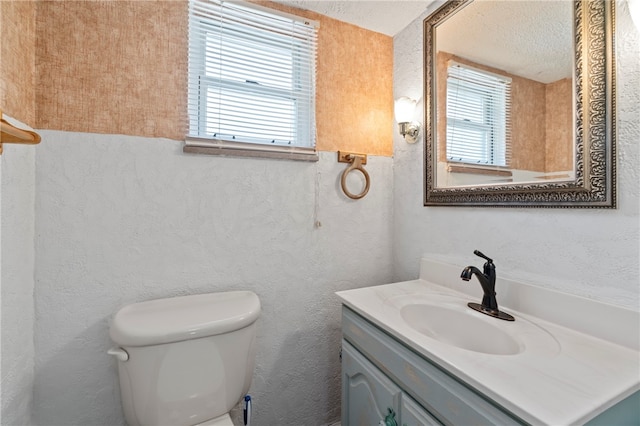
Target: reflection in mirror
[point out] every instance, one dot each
(506, 85)
(504, 93)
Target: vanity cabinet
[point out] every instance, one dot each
(382, 379)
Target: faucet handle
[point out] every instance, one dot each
(482, 255)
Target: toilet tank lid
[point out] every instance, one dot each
(185, 317)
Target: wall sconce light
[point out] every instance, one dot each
(404, 111)
(634, 11)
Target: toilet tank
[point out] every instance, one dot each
(190, 358)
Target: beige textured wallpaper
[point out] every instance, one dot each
(559, 121)
(112, 67)
(528, 124)
(17, 59)
(355, 90)
(120, 67)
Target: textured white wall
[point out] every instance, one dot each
(123, 219)
(17, 193)
(592, 253)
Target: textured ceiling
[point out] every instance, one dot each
(530, 38)
(386, 17)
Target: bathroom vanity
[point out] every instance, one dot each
(415, 354)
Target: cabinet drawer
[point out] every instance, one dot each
(448, 399)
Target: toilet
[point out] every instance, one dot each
(185, 361)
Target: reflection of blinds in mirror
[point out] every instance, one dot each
(478, 116)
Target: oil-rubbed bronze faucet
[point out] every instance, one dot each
(487, 280)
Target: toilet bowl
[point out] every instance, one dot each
(224, 420)
(185, 361)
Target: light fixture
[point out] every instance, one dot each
(634, 11)
(404, 111)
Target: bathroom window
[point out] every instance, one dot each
(478, 114)
(251, 80)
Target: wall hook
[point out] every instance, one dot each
(356, 161)
(14, 131)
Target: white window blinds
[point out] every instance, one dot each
(478, 116)
(251, 75)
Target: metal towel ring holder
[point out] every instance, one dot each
(356, 164)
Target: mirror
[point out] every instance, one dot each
(519, 106)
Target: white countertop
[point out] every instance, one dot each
(587, 367)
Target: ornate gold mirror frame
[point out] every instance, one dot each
(594, 185)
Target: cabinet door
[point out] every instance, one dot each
(368, 396)
(413, 414)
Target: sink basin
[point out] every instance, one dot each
(461, 327)
(433, 318)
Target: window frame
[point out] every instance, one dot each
(196, 141)
(495, 148)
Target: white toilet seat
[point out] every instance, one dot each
(224, 420)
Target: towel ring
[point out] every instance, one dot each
(356, 164)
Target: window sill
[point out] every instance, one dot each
(478, 170)
(243, 149)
